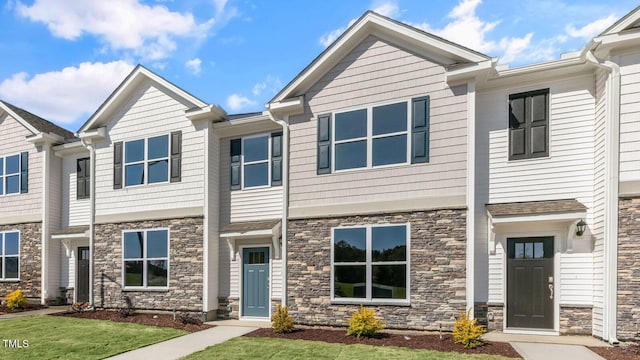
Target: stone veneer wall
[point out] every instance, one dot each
(495, 311)
(437, 270)
(30, 263)
(628, 268)
(185, 266)
(576, 320)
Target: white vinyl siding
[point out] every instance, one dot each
(151, 112)
(629, 112)
(74, 211)
(376, 72)
(14, 142)
(576, 279)
(251, 204)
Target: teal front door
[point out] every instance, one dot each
(255, 282)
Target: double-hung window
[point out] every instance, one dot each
(156, 159)
(9, 255)
(10, 174)
(256, 161)
(146, 258)
(380, 135)
(370, 263)
(146, 161)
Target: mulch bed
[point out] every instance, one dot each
(426, 341)
(162, 320)
(28, 307)
(628, 352)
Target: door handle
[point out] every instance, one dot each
(551, 291)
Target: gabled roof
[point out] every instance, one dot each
(433, 47)
(137, 76)
(34, 123)
(629, 21)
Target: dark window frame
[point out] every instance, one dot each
(86, 178)
(273, 161)
(3, 256)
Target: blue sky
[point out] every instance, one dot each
(62, 58)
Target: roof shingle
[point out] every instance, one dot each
(39, 123)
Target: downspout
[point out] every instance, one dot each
(92, 214)
(285, 201)
(471, 199)
(45, 221)
(612, 170)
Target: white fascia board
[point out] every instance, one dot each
(75, 147)
(45, 138)
(208, 112)
(246, 234)
(550, 65)
(93, 134)
(625, 22)
(292, 106)
(80, 235)
(570, 216)
(481, 69)
(607, 43)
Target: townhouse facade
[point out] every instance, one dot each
(398, 171)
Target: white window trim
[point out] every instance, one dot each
(145, 161)
(243, 163)
(3, 256)
(368, 299)
(4, 176)
(144, 260)
(370, 137)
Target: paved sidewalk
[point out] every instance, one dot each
(185, 345)
(544, 347)
(541, 351)
(45, 311)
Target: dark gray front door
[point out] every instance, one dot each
(255, 282)
(82, 280)
(530, 283)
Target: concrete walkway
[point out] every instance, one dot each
(46, 311)
(187, 344)
(540, 347)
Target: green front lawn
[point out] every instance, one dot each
(270, 348)
(56, 337)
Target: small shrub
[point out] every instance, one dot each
(79, 307)
(16, 300)
(364, 323)
(127, 308)
(466, 331)
(281, 321)
(192, 319)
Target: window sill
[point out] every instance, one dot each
(381, 302)
(9, 280)
(145, 289)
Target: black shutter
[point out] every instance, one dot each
(83, 178)
(276, 159)
(24, 172)
(420, 130)
(236, 149)
(529, 125)
(117, 165)
(176, 156)
(324, 144)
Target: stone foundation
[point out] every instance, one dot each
(576, 320)
(185, 266)
(496, 312)
(30, 263)
(628, 268)
(437, 270)
(228, 308)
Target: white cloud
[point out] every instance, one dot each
(237, 102)
(66, 95)
(272, 83)
(592, 29)
(385, 8)
(194, 65)
(149, 31)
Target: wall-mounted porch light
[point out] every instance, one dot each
(580, 227)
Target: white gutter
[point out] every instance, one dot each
(285, 201)
(612, 171)
(92, 214)
(46, 147)
(471, 198)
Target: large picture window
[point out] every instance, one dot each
(370, 263)
(9, 255)
(146, 161)
(146, 258)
